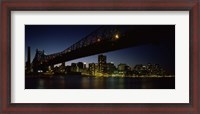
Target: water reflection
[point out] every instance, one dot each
(98, 82)
(41, 84)
(70, 82)
(85, 83)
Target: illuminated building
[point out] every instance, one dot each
(149, 70)
(110, 68)
(79, 67)
(92, 69)
(84, 65)
(124, 70)
(102, 64)
(62, 67)
(122, 67)
(73, 67)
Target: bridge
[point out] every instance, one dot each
(106, 38)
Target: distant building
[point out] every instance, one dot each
(62, 67)
(110, 68)
(149, 70)
(84, 66)
(73, 67)
(68, 69)
(102, 64)
(92, 69)
(80, 67)
(122, 67)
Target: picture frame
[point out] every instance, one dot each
(7, 6)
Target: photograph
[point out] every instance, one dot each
(99, 56)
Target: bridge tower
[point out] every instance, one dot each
(38, 62)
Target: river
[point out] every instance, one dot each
(84, 82)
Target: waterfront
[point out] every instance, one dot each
(89, 82)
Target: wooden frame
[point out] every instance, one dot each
(100, 5)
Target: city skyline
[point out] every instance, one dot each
(56, 38)
(102, 67)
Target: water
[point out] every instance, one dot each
(80, 82)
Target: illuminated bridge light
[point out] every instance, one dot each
(98, 40)
(116, 36)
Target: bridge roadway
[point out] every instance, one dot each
(107, 38)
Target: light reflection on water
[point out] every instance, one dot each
(75, 82)
(41, 84)
(85, 83)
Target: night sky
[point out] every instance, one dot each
(56, 38)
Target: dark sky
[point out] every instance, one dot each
(56, 38)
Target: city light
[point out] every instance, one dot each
(106, 69)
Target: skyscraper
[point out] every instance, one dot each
(73, 67)
(80, 66)
(92, 69)
(102, 64)
(110, 68)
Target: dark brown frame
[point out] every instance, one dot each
(99, 5)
